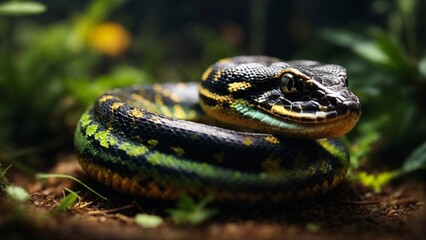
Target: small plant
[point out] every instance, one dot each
(54, 175)
(68, 201)
(148, 221)
(189, 212)
(17, 193)
(3, 180)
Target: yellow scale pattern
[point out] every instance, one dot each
(238, 86)
(269, 165)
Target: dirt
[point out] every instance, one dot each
(351, 211)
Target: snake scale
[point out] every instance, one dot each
(254, 129)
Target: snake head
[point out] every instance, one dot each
(315, 93)
(296, 98)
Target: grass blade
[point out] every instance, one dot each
(56, 175)
(68, 201)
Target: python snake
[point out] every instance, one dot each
(279, 143)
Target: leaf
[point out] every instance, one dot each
(422, 67)
(203, 203)
(3, 180)
(370, 51)
(341, 37)
(194, 217)
(312, 227)
(363, 47)
(406, 6)
(68, 201)
(86, 91)
(186, 203)
(416, 161)
(15, 8)
(190, 212)
(148, 221)
(375, 181)
(381, 49)
(363, 147)
(17, 193)
(395, 52)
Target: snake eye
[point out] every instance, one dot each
(289, 83)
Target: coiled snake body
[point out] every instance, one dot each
(158, 141)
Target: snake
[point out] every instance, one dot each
(252, 129)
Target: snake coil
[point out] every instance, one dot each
(159, 141)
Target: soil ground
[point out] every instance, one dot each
(349, 212)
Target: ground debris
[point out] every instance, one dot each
(350, 212)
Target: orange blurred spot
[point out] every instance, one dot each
(110, 38)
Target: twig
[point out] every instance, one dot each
(377, 202)
(96, 212)
(370, 202)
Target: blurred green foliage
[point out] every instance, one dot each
(20, 8)
(388, 74)
(148, 221)
(49, 74)
(190, 212)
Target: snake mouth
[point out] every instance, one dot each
(269, 122)
(315, 104)
(313, 128)
(317, 112)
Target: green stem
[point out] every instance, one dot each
(55, 175)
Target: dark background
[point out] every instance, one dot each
(50, 71)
